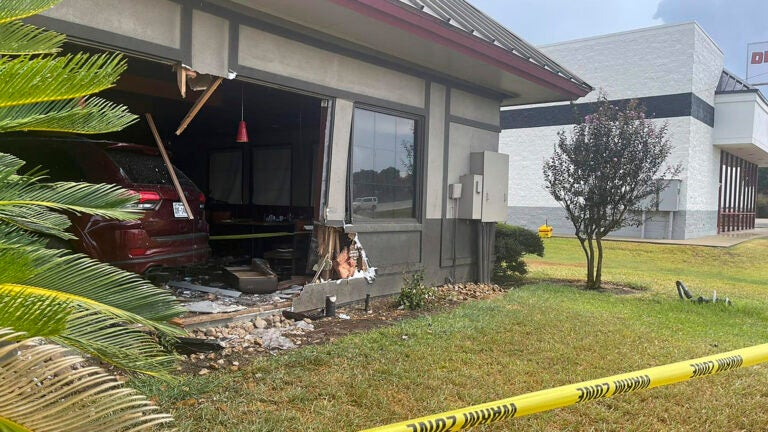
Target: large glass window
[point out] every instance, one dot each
(383, 166)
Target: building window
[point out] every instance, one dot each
(383, 166)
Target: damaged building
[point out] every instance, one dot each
(342, 141)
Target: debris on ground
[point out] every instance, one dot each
(208, 306)
(236, 343)
(466, 291)
(209, 290)
(685, 294)
(184, 285)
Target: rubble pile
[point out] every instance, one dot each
(259, 335)
(466, 291)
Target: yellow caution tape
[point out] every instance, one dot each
(545, 400)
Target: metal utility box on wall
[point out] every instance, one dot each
(669, 198)
(485, 189)
(471, 203)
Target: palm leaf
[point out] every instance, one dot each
(18, 38)
(15, 265)
(26, 192)
(26, 80)
(17, 9)
(105, 200)
(11, 236)
(35, 219)
(27, 205)
(35, 315)
(89, 304)
(80, 276)
(100, 330)
(42, 392)
(94, 328)
(88, 116)
(114, 343)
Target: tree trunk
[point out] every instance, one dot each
(591, 265)
(582, 242)
(599, 269)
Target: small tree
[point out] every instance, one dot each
(611, 165)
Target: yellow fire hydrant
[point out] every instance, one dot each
(545, 231)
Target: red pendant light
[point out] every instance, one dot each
(242, 132)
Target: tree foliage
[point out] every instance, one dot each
(612, 165)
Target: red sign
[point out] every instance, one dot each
(757, 63)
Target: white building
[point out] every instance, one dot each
(718, 126)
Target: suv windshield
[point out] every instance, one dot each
(141, 168)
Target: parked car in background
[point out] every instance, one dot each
(365, 203)
(163, 237)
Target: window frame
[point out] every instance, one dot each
(418, 144)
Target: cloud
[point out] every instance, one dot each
(731, 24)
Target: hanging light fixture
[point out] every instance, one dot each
(242, 132)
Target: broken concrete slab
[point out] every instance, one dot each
(210, 307)
(346, 291)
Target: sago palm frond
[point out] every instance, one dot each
(118, 314)
(89, 116)
(42, 391)
(35, 315)
(11, 236)
(17, 9)
(100, 330)
(26, 80)
(15, 264)
(25, 192)
(17, 38)
(35, 219)
(105, 200)
(106, 333)
(124, 295)
(113, 342)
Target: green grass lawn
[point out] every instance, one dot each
(535, 337)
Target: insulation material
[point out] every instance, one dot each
(341, 256)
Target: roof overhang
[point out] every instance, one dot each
(741, 125)
(390, 29)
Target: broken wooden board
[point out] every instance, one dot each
(213, 320)
(251, 281)
(203, 288)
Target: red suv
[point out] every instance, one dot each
(163, 237)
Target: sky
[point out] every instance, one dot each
(730, 23)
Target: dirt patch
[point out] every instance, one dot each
(607, 287)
